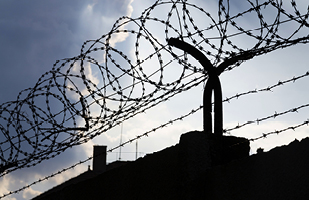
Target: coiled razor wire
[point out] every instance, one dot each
(69, 106)
(264, 135)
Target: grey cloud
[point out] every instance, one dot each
(112, 8)
(34, 34)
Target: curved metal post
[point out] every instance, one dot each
(212, 86)
(207, 107)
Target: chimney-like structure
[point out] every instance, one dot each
(99, 158)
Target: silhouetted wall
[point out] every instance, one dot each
(177, 173)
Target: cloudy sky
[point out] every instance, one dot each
(34, 34)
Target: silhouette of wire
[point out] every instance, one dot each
(68, 106)
(193, 111)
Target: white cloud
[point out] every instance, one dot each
(95, 21)
(89, 74)
(30, 193)
(58, 179)
(99, 18)
(5, 184)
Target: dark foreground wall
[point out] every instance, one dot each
(181, 172)
(282, 173)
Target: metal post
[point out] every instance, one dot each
(213, 84)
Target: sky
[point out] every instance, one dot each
(34, 34)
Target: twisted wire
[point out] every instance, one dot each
(193, 111)
(33, 129)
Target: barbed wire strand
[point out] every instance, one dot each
(237, 96)
(33, 133)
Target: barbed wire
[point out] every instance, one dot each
(264, 135)
(193, 111)
(293, 110)
(236, 96)
(33, 129)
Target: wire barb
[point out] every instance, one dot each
(101, 106)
